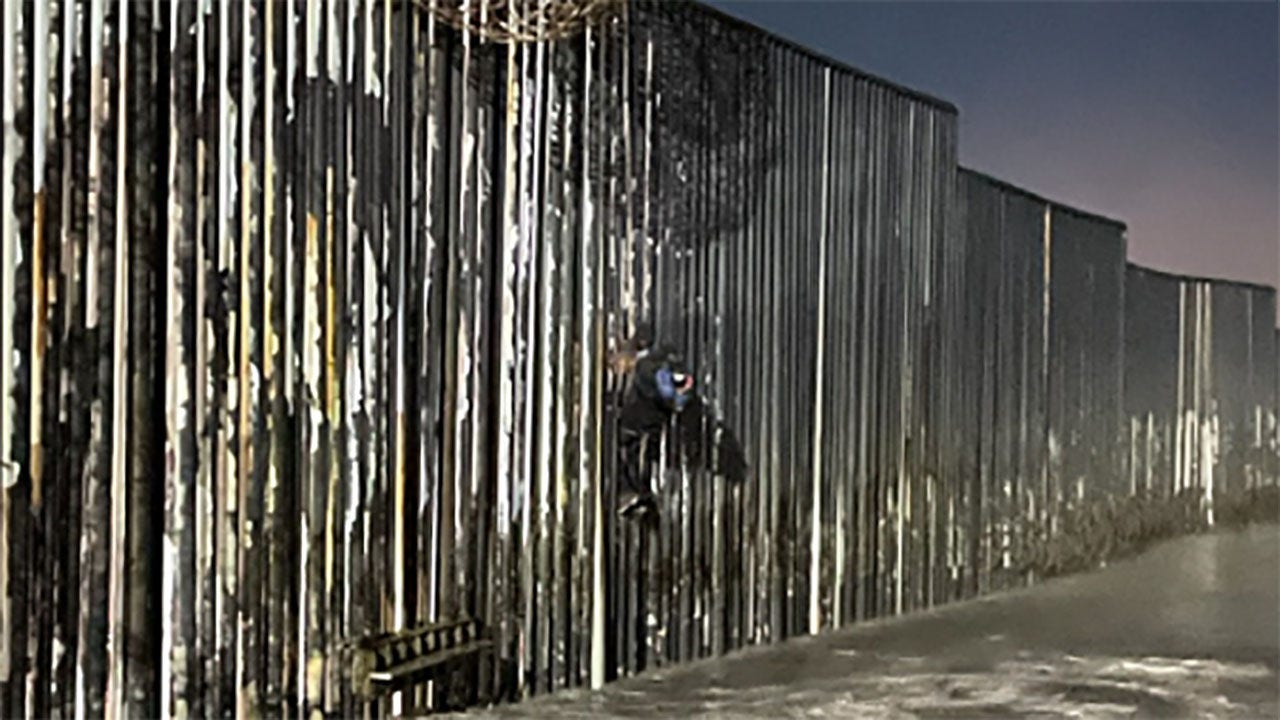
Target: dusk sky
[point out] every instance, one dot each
(1161, 114)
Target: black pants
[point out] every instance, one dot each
(695, 435)
(640, 429)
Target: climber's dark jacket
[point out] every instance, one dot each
(662, 389)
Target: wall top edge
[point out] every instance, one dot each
(738, 22)
(1180, 277)
(1056, 205)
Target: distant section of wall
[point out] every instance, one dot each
(1097, 382)
(1045, 302)
(1086, 356)
(1200, 392)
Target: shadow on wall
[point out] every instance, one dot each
(704, 91)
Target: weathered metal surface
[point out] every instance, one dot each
(1045, 290)
(306, 307)
(1101, 380)
(1200, 398)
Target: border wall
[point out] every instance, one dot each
(1200, 396)
(306, 311)
(1101, 387)
(1045, 316)
(791, 235)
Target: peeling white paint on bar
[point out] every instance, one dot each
(1179, 439)
(287, 184)
(12, 97)
(97, 116)
(303, 662)
(430, 476)
(533, 455)
(646, 206)
(312, 51)
(291, 22)
(45, 54)
(507, 475)
(173, 653)
(242, 381)
(333, 57)
(116, 636)
(222, 548)
(819, 384)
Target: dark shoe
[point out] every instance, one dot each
(639, 506)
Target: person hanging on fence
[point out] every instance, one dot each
(661, 396)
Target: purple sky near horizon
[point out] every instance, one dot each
(1165, 115)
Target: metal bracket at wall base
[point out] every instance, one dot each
(384, 663)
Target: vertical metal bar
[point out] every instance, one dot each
(397, 71)
(217, 371)
(10, 31)
(41, 402)
(592, 364)
(1049, 469)
(311, 397)
(357, 535)
(861, 571)
(590, 527)
(142, 457)
(512, 103)
(435, 264)
(117, 632)
(359, 177)
(449, 479)
(279, 228)
(566, 69)
(819, 381)
(72, 403)
(843, 199)
(94, 664)
(252, 359)
(210, 349)
(16, 180)
(538, 452)
(177, 676)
